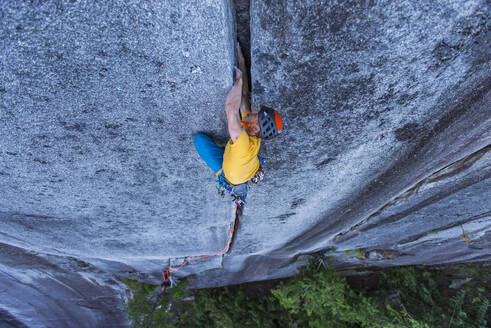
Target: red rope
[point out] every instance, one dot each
(166, 273)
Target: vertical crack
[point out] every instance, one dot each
(242, 10)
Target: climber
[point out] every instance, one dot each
(239, 163)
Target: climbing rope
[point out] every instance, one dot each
(239, 194)
(167, 277)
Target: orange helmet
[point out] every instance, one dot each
(270, 123)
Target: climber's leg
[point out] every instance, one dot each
(209, 151)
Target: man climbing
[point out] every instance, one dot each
(239, 163)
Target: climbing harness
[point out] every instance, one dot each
(237, 192)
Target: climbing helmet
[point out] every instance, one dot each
(270, 123)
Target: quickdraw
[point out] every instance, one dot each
(259, 176)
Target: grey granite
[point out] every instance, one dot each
(98, 105)
(386, 108)
(376, 96)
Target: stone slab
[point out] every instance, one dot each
(99, 103)
(376, 96)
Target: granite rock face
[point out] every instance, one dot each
(386, 147)
(99, 103)
(387, 113)
(40, 290)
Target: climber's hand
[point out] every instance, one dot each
(238, 75)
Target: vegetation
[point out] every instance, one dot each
(415, 297)
(359, 254)
(149, 307)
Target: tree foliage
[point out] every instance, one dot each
(319, 297)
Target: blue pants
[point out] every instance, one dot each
(209, 151)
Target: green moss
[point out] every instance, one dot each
(359, 254)
(348, 252)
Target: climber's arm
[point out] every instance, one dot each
(232, 106)
(245, 106)
(234, 126)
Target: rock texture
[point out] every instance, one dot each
(99, 102)
(385, 159)
(387, 113)
(54, 291)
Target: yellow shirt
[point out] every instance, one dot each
(240, 161)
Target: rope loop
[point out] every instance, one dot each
(168, 280)
(239, 194)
